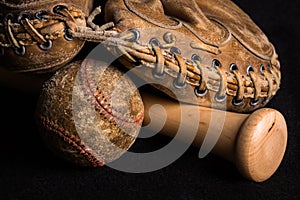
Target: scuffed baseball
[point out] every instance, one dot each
(89, 114)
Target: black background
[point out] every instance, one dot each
(29, 171)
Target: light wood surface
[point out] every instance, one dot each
(255, 143)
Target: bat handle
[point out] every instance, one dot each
(260, 144)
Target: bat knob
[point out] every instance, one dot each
(261, 144)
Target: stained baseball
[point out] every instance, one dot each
(79, 118)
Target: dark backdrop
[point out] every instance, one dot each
(29, 171)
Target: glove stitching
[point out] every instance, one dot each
(243, 87)
(29, 32)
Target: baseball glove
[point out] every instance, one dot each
(39, 36)
(211, 46)
(205, 53)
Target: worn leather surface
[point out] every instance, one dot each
(29, 171)
(80, 119)
(215, 30)
(35, 59)
(28, 5)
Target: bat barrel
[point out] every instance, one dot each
(255, 143)
(261, 144)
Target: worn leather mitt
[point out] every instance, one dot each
(212, 46)
(39, 36)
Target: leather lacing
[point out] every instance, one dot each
(259, 85)
(29, 29)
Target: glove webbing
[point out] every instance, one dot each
(192, 71)
(46, 27)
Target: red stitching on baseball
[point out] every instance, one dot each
(98, 100)
(74, 141)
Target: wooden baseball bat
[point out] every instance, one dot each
(254, 142)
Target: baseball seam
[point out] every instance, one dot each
(100, 102)
(73, 140)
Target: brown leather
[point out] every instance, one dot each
(32, 33)
(79, 118)
(211, 45)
